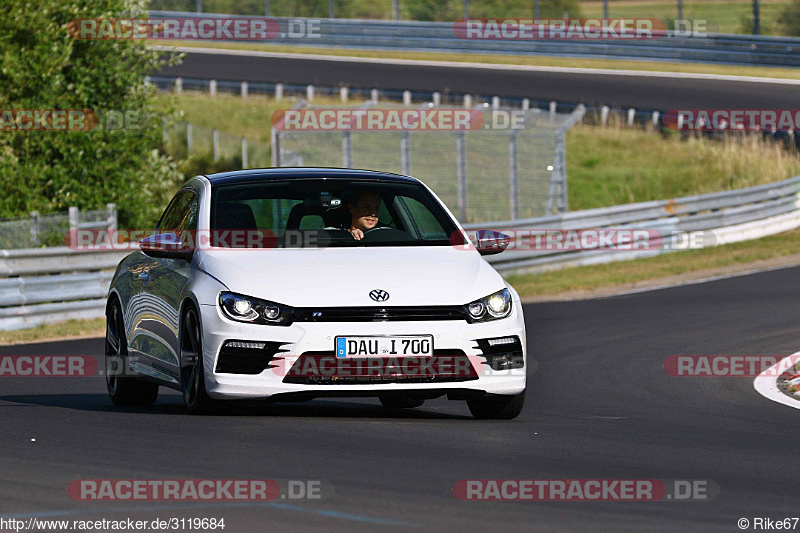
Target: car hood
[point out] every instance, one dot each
(430, 275)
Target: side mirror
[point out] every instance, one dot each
(491, 242)
(165, 245)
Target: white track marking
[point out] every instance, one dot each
(484, 66)
(767, 385)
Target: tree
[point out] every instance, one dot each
(43, 67)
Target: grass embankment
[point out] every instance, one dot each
(63, 330)
(728, 16)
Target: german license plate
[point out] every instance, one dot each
(394, 346)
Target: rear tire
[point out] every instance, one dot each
(193, 383)
(123, 390)
(401, 402)
(497, 407)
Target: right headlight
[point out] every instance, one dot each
(492, 307)
(243, 308)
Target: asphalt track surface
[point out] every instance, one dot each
(599, 406)
(643, 92)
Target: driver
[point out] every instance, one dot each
(363, 212)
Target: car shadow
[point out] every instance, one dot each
(172, 405)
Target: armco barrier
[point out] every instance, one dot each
(50, 284)
(441, 37)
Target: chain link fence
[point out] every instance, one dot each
(53, 229)
(185, 139)
(492, 173)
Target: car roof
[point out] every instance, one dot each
(283, 173)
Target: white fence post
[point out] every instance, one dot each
(654, 120)
(553, 107)
(373, 95)
(73, 220)
(212, 88)
(310, 93)
(406, 97)
(526, 104)
(467, 100)
(189, 139)
(215, 139)
(495, 102)
(405, 152)
(178, 85)
(112, 216)
(461, 169)
(244, 153)
(245, 90)
(604, 115)
(437, 99)
(344, 93)
(631, 116)
(36, 228)
(278, 92)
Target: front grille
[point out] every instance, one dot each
(237, 360)
(502, 356)
(324, 368)
(379, 314)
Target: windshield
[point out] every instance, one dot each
(317, 212)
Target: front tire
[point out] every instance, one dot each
(497, 407)
(123, 390)
(193, 383)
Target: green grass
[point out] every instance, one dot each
(616, 165)
(723, 17)
(624, 274)
(70, 329)
(498, 59)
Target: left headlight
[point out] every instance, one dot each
(243, 308)
(492, 307)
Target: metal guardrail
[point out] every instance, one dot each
(699, 217)
(44, 285)
(441, 37)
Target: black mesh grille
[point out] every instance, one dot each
(247, 360)
(502, 356)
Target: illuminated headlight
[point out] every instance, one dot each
(243, 308)
(492, 307)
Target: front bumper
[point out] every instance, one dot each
(318, 337)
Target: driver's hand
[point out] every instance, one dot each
(356, 233)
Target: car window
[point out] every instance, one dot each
(421, 219)
(407, 214)
(181, 214)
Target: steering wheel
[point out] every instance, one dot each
(376, 228)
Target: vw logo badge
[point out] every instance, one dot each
(379, 295)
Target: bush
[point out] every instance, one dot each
(43, 67)
(790, 19)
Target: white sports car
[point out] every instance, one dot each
(289, 284)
